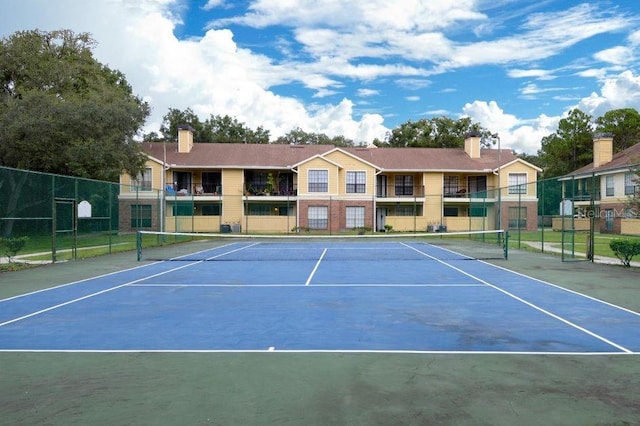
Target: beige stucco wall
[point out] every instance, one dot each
(407, 223)
(156, 178)
(630, 226)
(579, 224)
(318, 164)
(232, 201)
(519, 167)
(352, 164)
(618, 190)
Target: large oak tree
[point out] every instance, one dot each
(62, 111)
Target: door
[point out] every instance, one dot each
(381, 216)
(381, 190)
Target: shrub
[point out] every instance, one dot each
(625, 250)
(12, 245)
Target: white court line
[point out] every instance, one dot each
(536, 307)
(299, 285)
(229, 252)
(77, 282)
(317, 351)
(93, 294)
(95, 277)
(595, 299)
(315, 268)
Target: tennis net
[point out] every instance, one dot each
(185, 246)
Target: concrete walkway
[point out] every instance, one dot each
(553, 248)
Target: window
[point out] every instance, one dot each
(355, 217)
(608, 219)
(630, 180)
(409, 210)
(477, 211)
(451, 184)
(450, 211)
(256, 209)
(478, 186)
(318, 217)
(143, 182)
(404, 185)
(183, 209)
(212, 182)
(182, 181)
(257, 182)
(517, 183)
(356, 182)
(609, 185)
(210, 209)
(318, 180)
(517, 217)
(141, 216)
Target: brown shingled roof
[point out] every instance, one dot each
(431, 158)
(229, 155)
(232, 155)
(621, 160)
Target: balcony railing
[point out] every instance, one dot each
(490, 192)
(281, 191)
(399, 191)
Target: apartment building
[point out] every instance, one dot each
(209, 187)
(602, 190)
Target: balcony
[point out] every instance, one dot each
(265, 190)
(466, 193)
(399, 191)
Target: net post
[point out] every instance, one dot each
(139, 245)
(506, 245)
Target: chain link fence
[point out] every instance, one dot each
(65, 217)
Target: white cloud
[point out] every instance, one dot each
(212, 4)
(531, 90)
(619, 55)
(597, 73)
(621, 91)
(531, 73)
(367, 92)
(211, 74)
(520, 135)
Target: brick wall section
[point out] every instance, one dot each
(124, 213)
(337, 212)
(532, 214)
(618, 214)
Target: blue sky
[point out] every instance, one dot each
(361, 68)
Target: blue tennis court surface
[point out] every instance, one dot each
(399, 297)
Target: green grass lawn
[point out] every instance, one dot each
(577, 240)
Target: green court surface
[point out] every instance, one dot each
(325, 388)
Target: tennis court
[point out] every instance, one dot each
(317, 295)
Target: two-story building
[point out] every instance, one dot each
(602, 190)
(209, 187)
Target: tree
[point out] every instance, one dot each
(438, 132)
(298, 136)
(61, 111)
(225, 129)
(175, 117)
(570, 147)
(624, 124)
(217, 128)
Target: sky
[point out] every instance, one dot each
(360, 68)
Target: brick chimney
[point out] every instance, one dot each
(185, 138)
(472, 144)
(602, 148)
